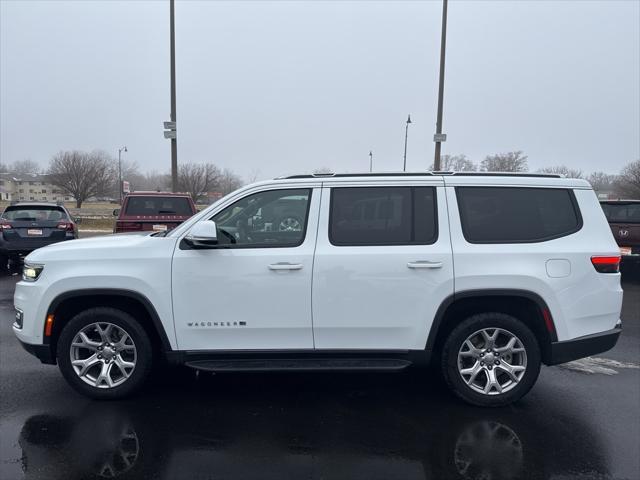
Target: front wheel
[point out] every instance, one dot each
(491, 359)
(104, 353)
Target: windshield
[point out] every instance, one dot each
(153, 206)
(622, 212)
(34, 213)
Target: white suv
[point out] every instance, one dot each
(489, 275)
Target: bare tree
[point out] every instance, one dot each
(627, 184)
(601, 181)
(505, 162)
(25, 166)
(253, 175)
(155, 181)
(83, 175)
(228, 182)
(455, 163)
(197, 178)
(562, 170)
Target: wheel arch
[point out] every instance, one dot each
(66, 305)
(526, 306)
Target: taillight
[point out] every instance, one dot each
(5, 226)
(606, 264)
(68, 226)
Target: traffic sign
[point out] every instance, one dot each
(169, 134)
(170, 125)
(440, 137)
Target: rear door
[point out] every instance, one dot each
(383, 265)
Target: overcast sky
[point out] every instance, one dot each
(273, 88)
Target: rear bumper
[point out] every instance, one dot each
(562, 352)
(26, 246)
(42, 352)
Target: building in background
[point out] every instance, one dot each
(30, 187)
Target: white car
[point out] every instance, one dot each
(490, 275)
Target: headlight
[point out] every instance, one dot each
(30, 273)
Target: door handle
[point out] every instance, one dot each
(285, 266)
(424, 264)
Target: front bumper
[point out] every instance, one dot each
(562, 352)
(42, 352)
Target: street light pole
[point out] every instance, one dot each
(443, 45)
(174, 141)
(406, 136)
(120, 150)
(370, 161)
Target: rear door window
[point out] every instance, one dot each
(154, 206)
(383, 216)
(517, 215)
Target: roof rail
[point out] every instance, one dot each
(422, 174)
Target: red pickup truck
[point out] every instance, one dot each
(155, 211)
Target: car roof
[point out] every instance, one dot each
(35, 204)
(442, 178)
(156, 194)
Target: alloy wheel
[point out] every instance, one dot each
(103, 355)
(492, 361)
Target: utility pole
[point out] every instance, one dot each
(120, 150)
(174, 141)
(439, 137)
(406, 136)
(370, 161)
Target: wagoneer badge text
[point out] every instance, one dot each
(216, 324)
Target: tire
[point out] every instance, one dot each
(116, 359)
(468, 371)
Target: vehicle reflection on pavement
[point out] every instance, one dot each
(345, 426)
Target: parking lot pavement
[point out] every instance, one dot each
(580, 421)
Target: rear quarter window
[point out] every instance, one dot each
(517, 214)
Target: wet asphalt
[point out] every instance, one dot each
(579, 422)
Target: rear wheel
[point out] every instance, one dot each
(104, 353)
(491, 359)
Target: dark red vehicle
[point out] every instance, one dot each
(153, 211)
(624, 220)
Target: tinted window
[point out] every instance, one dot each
(34, 213)
(383, 216)
(622, 212)
(275, 218)
(153, 206)
(515, 215)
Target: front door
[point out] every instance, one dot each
(253, 290)
(383, 265)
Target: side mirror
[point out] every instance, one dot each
(77, 219)
(116, 212)
(203, 234)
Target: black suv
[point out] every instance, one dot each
(27, 226)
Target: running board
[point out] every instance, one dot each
(303, 364)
